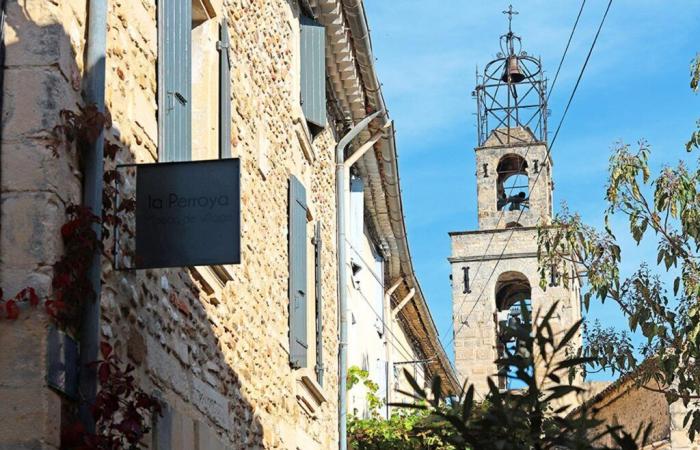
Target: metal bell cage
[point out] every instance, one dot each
(511, 93)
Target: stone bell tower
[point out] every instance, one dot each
(495, 268)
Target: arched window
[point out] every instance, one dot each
(512, 183)
(513, 293)
(513, 225)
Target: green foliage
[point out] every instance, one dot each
(536, 417)
(405, 430)
(357, 375)
(664, 208)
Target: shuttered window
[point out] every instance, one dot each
(174, 80)
(319, 303)
(224, 92)
(313, 71)
(298, 289)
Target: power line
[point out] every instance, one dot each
(396, 343)
(561, 62)
(580, 75)
(561, 121)
(380, 281)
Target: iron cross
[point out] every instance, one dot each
(510, 14)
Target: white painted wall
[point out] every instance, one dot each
(368, 329)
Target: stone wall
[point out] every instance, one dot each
(540, 186)
(475, 341)
(631, 406)
(43, 75)
(212, 342)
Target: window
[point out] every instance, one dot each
(512, 183)
(312, 43)
(194, 112)
(513, 292)
(305, 296)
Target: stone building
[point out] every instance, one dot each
(274, 83)
(495, 269)
(627, 404)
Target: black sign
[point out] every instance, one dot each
(188, 214)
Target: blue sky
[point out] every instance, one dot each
(635, 86)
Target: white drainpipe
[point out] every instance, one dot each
(342, 175)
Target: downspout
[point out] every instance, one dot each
(92, 198)
(387, 344)
(341, 199)
(3, 5)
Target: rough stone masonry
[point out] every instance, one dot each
(211, 342)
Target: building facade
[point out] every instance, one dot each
(240, 355)
(495, 269)
(632, 406)
(391, 331)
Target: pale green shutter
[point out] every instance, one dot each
(313, 71)
(319, 303)
(224, 92)
(174, 80)
(298, 289)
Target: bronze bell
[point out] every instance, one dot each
(513, 71)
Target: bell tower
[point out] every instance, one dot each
(495, 268)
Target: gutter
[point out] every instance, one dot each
(92, 198)
(3, 6)
(389, 176)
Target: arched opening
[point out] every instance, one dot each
(513, 293)
(513, 225)
(512, 183)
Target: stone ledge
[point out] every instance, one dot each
(304, 136)
(309, 393)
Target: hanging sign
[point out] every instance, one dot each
(187, 214)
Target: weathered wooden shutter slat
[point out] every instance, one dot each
(175, 80)
(313, 71)
(319, 303)
(224, 92)
(298, 290)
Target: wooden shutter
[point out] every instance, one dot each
(313, 71)
(224, 92)
(298, 290)
(319, 303)
(174, 80)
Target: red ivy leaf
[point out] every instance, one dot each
(103, 373)
(11, 309)
(110, 150)
(105, 349)
(33, 298)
